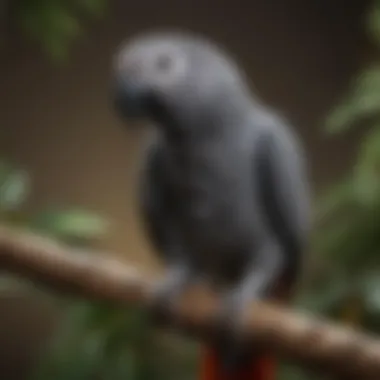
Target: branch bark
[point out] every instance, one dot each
(301, 338)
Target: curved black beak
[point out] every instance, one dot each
(130, 99)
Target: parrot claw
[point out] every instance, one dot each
(229, 335)
(163, 294)
(233, 309)
(161, 297)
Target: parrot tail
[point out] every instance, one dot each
(259, 368)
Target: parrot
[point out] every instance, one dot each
(223, 188)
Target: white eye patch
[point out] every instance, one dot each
(167, 64)
(159, 63)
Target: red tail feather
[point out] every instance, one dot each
(260, 368)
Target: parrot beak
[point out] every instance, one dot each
(130, 99)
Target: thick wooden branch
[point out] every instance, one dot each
(304, 339)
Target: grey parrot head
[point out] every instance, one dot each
(159, 74)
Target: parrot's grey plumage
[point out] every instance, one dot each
(224, 190)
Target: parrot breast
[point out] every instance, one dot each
(214, 210)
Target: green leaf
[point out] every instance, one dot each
(76, 350)
(5, 169)
(14, 190)
(82, 362)
(328, 295)
(337, 197)
(371, 291)
(88, 361)
(52, 23)
(373, 22)
(70, 224)
(351, 240)
(292, 372)
(132, 326)
(367, 170)
(362, 103)
(93, 338)
(121, 365)
(59, 30)
(94, 7)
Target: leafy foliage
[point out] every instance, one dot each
(91, 339)
(348, 237)
(96, 340)
(68, 224)
(55, 23)
(362, 103)
(65, 223)
(72, 226)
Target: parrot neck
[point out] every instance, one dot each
(204, 121)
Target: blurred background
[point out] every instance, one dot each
(69, 165)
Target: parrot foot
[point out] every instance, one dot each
(229, 336)
(164, 293)
(233, 309)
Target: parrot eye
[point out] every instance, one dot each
(164, 63)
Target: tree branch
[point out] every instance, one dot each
(304, 339)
